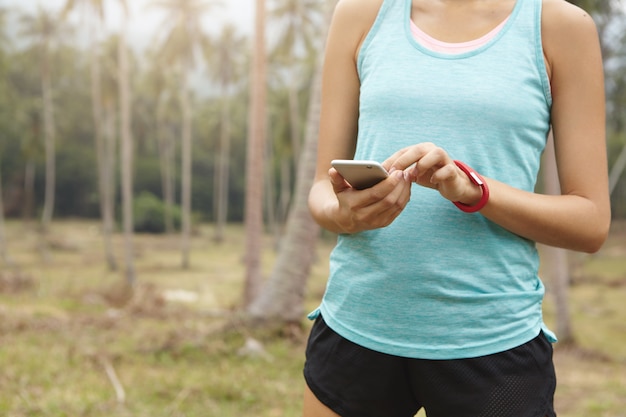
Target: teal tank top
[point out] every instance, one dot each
(439, 283)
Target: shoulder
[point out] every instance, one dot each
(563, 14)
(567, 32)
(360, 11)
(356, 16)
(352, 21)
(564, 22)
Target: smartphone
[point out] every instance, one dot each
(360, 174)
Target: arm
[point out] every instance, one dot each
(333, 204)
(579, 218)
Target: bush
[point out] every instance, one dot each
(149, 214)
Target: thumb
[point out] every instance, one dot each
(337, 181)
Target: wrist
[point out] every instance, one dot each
(336, 222)
(472, 203)
(472, 194)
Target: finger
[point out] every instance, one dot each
(447, 172)
(434, 159)
(337, 181)
(381, 190)
(388, 163)
(408, 156)
(384, 210)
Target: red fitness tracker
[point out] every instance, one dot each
(478, 180)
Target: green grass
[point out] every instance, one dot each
(70, 321)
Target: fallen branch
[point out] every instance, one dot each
(120, 394)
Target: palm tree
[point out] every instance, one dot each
(225, 60)
(292, 59)
(255, 161)
(3, 249)
(160, 83)
(94, 16)
(283, 295)
(126, 156)
(184, 34)
(45, 30)
(299, 36)
(106, 144)
(30, 150)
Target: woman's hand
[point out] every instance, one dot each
(371, 208)
(432, 167)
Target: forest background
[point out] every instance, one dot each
(138, 134)
(217, 76)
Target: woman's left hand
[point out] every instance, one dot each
(430, 166)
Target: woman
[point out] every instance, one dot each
(435, 302)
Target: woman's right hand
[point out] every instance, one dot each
(371, 208)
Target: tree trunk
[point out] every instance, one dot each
(107, 180)
(49, 139)
(185, 104)
(556, 258)
(255, 161)
(294, 119)
(29, 191)
(285, 187)
(126, 158)
(170, 169)
(270, 192)
(104, 157)
(283, 297)
(222, 171)
(165, 168)
(617, 169)
(3, 247)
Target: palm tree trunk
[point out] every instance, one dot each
(29, 190)
(255, 162)
(223, 171)
(102, 155)
(50, 151)
(283, 296)
(270, 192)
(162, 143)
(3, 247)
(285, 188)
(108, 180)
(186, 170)
(617, 169)
(294, 119)
(126, 158)
(170, 179)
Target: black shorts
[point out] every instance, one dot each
(357, 382)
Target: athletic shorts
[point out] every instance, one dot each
(357, 382)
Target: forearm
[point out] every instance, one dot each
(567, 221)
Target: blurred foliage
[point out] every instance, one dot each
(154, 86)
(149, 214)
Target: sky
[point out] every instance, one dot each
(145, 20)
